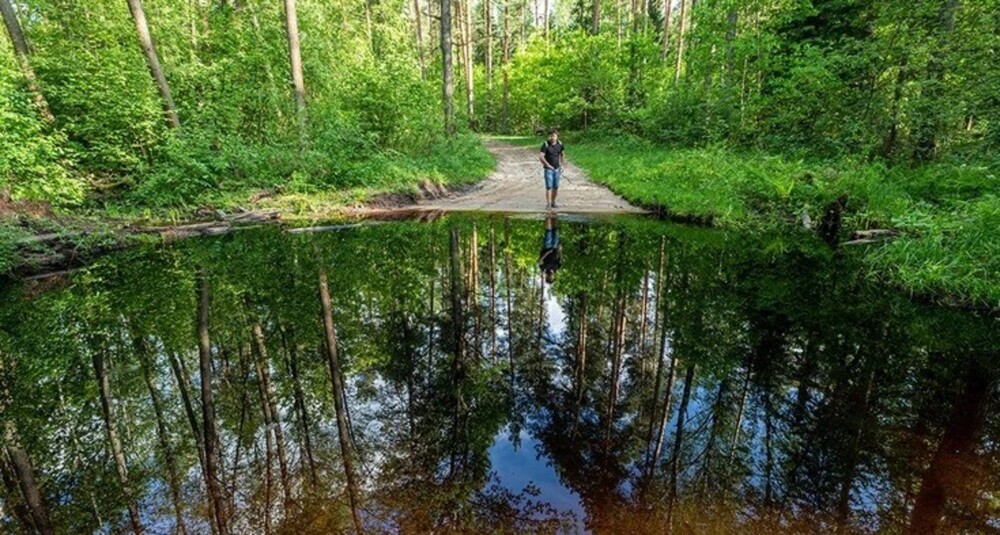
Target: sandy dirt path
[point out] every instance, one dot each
(517, 185)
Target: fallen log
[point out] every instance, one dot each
(874, 233)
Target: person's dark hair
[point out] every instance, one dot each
(553, 131)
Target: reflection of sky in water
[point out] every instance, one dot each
(516, 467)
(554, 315)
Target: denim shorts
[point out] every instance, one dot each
(552, 177)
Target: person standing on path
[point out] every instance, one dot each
(552, 157)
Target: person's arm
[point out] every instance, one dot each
(562, 158)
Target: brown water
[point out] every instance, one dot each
(666, 379)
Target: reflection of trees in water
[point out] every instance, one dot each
(358, 379)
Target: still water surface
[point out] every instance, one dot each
(492, 375)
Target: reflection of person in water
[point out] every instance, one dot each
(550, 258)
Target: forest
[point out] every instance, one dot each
(799, 336)
(726, 111)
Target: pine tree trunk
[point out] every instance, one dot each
(339, 399)
(465, 23)
(447, 75)
(458, 359)
(581, 362)
(668, 8)
(488, 21)
(211, 437)
(153, 61)
(508, 273)
(618, 351)
(505, 53)
(493, 296)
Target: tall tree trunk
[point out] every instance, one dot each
(447, 75)
(472, 289)
(927, 130)
(595, 22)
(211, 436)
(420, 39)
(732, 19)
(292, 363)
(618, 351)
(713, 432)
(493, 296)
(465, 23)
(618, 21)
(546, 21)
(950, 464)
(25, 473)
(295, 62)
(889, 143)
(668, 8)
(738, 426)
(658, 318)
(508, 274)
(184, 388)
(644, 311)
(675, 458)
(488, 21)
(680, 42)
(272, 417)
(505, 98)
(581, 362)
(339, 399)
(12, 505)
(22, 51)
(162, 431)
(155, 69)
(859, 412)
(665, 412)
(458, 332)
(15, 459)
(111, 427)
(368, 25)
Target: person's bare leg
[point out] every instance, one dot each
(554, 193)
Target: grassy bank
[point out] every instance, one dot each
(306, 184)
(37, 236)
(948, 215)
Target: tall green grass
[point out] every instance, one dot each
(948, 214)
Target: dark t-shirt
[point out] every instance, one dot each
(552, 261)
(552, 153)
